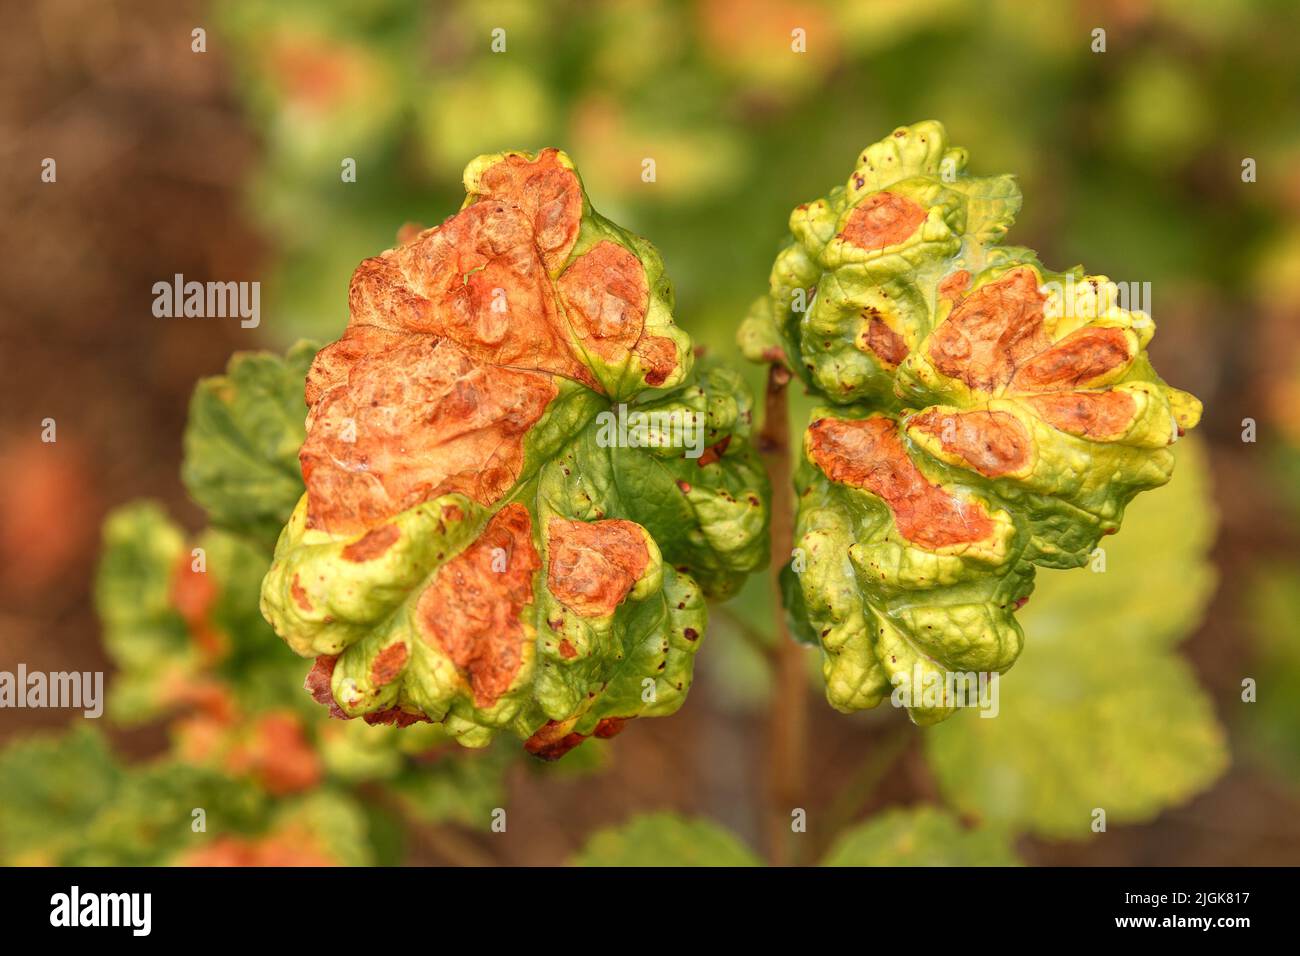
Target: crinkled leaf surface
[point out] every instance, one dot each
(665, 839)
(921, 837)
(506, 523)
(1103, 714)
(982, 416)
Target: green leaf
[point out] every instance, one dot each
(1100, 712)
(519, 483)
(665, 839)
(242, 440)
(921, 837)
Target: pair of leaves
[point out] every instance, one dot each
(924, 836)
(982, 416)
(518, 488)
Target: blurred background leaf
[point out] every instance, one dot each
(665, 839)
(1099, 712)
(921, 837)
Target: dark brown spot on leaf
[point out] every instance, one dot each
(882, 341)
(318, 684)
(608, 727)
(397, 717)
(714, 452)
(553, 740)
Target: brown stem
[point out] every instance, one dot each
(787, 758)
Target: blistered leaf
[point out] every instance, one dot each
(665, 839)
(921, 837)
(982, 416)
(242, 441)
(1102, 714)
(518, 490)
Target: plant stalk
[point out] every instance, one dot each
(787, 730)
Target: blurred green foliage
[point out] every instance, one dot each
(1129, 159)
(923, 836)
